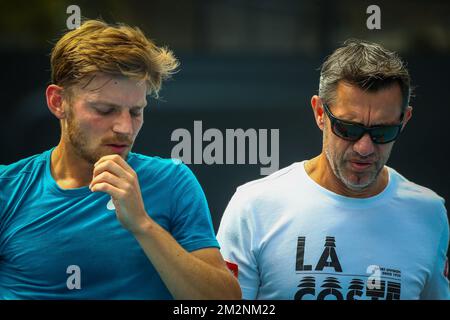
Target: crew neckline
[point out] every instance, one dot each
(52, 182)
(72, 191)
(350, 201)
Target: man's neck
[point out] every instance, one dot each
(320, 171)
(68, 169)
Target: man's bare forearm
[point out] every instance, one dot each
(186, 275)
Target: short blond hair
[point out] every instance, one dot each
(117, 50)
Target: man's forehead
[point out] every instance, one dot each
(99, 81)
(113, 90)
(349, 91)
(96, 101)
(384, 99)
(355, 104)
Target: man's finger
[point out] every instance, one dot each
(108, 178)
(117, 159)
(109, 189)
(112, 167)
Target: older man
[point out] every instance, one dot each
(343, 225)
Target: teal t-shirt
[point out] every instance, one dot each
(50, 235)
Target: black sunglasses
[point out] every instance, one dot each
(353, 131)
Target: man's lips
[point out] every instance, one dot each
(117, 147)
(360, 165)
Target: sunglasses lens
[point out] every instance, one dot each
(347, 131)
(354, 132)
(385, 134)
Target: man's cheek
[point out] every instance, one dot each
(138, 129)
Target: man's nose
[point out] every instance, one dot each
(364, 146)
(123, 124)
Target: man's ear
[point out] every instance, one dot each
(316, 104)
(407, 116)
(55, 100)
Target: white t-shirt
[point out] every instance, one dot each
(293, 239)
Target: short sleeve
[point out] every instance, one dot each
(236, 237)
(437, 286)
(191, 223)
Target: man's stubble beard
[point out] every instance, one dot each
(338, 168)
(79, 142)
(338, 164)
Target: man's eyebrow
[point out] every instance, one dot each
(376, 124)
(388, 123)
(113, 105)
(351, 117)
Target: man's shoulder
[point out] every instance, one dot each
(415, 194)
(150, 166)
(408, 188)
(277, 182)
(155, 161)
(22, 166)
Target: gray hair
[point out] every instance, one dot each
(364, 64)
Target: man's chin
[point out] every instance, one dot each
(123, 152)
(94, 158)
(356, 183)
(357, 187)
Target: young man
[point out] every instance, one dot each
(89, 219)
(343, 225)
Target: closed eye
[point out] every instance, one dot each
(136, 112)
(104, 112)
